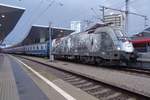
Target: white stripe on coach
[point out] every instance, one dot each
(58, 89)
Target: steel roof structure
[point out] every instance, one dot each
(9, 16)
(40, 33)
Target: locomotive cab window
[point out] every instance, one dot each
(120, 35)
(41, 47)
(37, 47)
(107, 41)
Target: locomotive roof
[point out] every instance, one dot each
(97, 25)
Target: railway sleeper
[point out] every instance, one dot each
(84, 85)
(80, 82)
(91, 88)
(100, 92)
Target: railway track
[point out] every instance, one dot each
(98, 89)
(138, 71)
(133, 69)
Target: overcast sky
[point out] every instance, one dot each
(61, 12)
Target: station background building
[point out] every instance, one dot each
(76, 25)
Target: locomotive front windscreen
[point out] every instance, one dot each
(120, 35)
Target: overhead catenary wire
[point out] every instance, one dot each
(29, 17)
(36, 18)
(33, 18)
(126, 12)
(96, 15)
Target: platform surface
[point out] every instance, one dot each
(8, 88)
(15, 84)
(19, 83)
(139, 84)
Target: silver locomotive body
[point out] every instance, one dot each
(99, 45)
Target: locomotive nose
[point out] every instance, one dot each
(128, 47)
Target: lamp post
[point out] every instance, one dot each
(51, 57)
(2, 16)
(126, 15)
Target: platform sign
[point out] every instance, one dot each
(116, 19)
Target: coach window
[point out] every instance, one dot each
(37, 47)
(41, 47)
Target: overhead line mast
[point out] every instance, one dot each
(126, 16)
(127, 12)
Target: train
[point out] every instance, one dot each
(101, 44)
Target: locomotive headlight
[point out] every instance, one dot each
(118, 48)
(128, 47)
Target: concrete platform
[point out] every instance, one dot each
(19, 83)
(15, 84)
(8, 88)
(126, 81)
(52, 94)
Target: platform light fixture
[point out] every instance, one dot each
(51, 56)
(3, 16)
(61, 31)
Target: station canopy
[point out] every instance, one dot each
(39, 34)
(9, 16)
